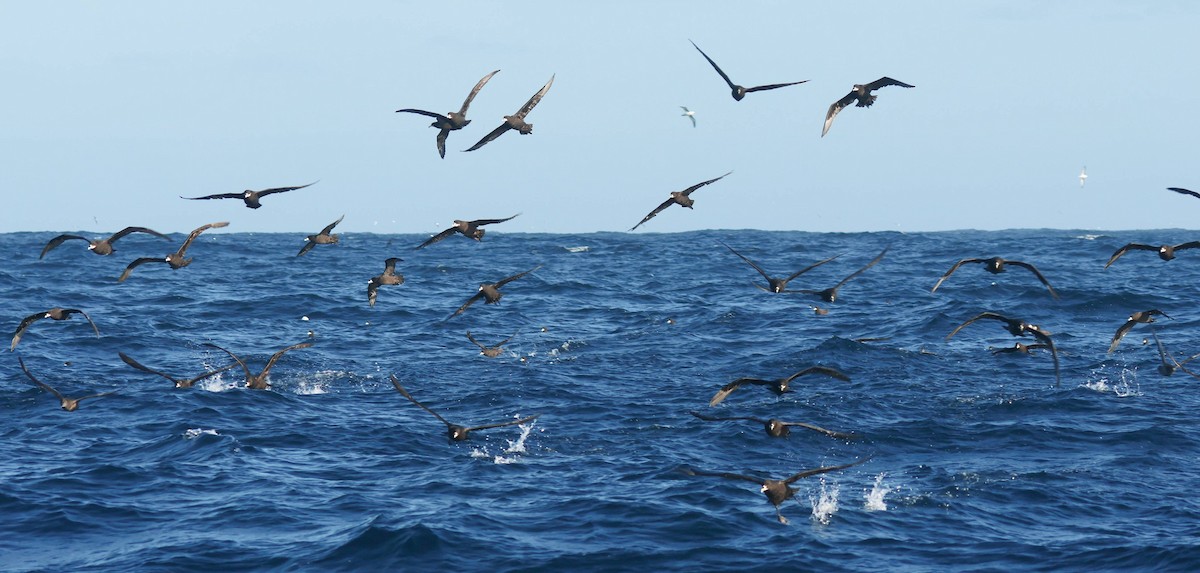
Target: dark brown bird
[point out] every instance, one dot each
(1017, 327)
(322, 238)
(1142, 316)
(1168, 368)
(259, 381)
(830, 294)
(739, 92)
(777, 428)
(861, 96)
(178, 382)
(251, 198)
(68, 404)
(776, 490)
(773, 284)
(996, 265)
(490, 351)
(778, 386)
(452, 121)
(55, 313)
(1019, 348)
(469, 229)
(389, 277)
(1184, 191)
(100, 246)
(681, 198)
(517, 120)
(456, 432)
(1165, 252)
(176, 260)
(490, 292)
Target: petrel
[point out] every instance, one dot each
(490, 292)
(100, 246)
(179, 382)
(830, 294)
(455, 431)
(469, 229)
(777, 285)
(176, 260)
(996, 265)
(1017, 327)
(490, 351)
(388, 277)
(681, 198)
(861, 96)
(68, 404)
(259, 381)
(55, 313)
(739, 92)
(250, 197)
(517, 120)
(779, 386)
(776, 490)
(689, 114)
(452, 121)
(1142, 316)
(1169, 368)
(776, 428)
(1165, 252)
(322, 238)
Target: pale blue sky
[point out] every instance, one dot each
(110, 111)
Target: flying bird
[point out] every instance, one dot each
(861, 96)
(250, 197)
(690, 115)
(996, 265)
(456, 432)
(490, 292)
(1169, 368)
(739, 92)
(1165, 252)
(178, 382)
(322, 238)
(778, 386)
(776, 490)
(100, 246)
(776, 285)
(1142, 316)
(1183, 191)
(1083, 176)
(176, 260)
(777, 428)
(681, 198)
(1019, 348)
(389, 277)
(55, 313)
(452, 121)
(469, 229)
(68, 404)
(490, 351)
(259, 381)
(830, 294)
(517, 120)
(1017, 327)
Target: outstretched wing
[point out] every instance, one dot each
(830, 433)
(773, 86)
(465, 305)
(137, 263)
(951, 271)
(68, 311)
(481, 222)
(507, 280)
(1184, 191)
(436, 238)
(128, 230)
(990, 315)
(502, 424)
(1037, 274)
(489, 137)
(834, 108)
(330, 226)
(533, 101)
(873, 262)
(727, 389)
(56, 241)
(749, 262)
(134, 363)
(726, 475)
(275, 357)
(886, 81)
(473, 341)
(235, 358)
(688, 191)
(39, 383)
(196, 233)
(715, 66)
(821, 470)
(474, 91)
(441, 142)
(216, 196)
(396, 383)
(656, 211)
(425, 113)
(831, 372)
(809, 268)
(274, 190)
(1121, 330)
(20, 331)
(1130, 247)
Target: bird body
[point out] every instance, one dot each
(100, 246)
(469, 229)
(325, 237)
(55, 313)
(388, 277)
(736, 91)
(249, 197)
(452, 121)
(779, 386)
(996, 265)
(681, 198)
(176, 260)
(516, 121)
(490, 292)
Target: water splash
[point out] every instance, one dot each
(825, 502)
(1126, 386)
(515, 447)
(874, 497)
(192, 433)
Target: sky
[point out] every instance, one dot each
(110, 112)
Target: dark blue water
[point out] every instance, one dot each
(974, 461)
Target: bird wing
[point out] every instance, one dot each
(821, 470)
(275, 357)
(389, 265)
(1124, 328)
(441, 142)
(505, 341)
(211, 373)
(687, 192)
(831, 372)
(137, 263)
(474, 92)
(727, 475)
(481, 222)
(1037, 274)
(56, 241)
(128, 230)
(501, 424)
(715, 66)
(873, 262)
(216, 196)
(951, 271)
(473, 341)
(489, 137)
(773, 86)
(464, 306)
(396, 383)
(1126, 248)
(134, 363)
(196, 233)
(886, 81)
(1187, 245)
(25, 322)
(68, 311)
(727, 389)
(330, 226)
(750, 262)
(39, 383)
(809, 268)
(656, 211)
(693, 118)
(274, 190)
(1184, 191)
(372, 291)
(235, 358)
(990, 315)
(533, 101)
(90, 396)
(436, 238)
(834, 108)
(425, 113)
(308, 246)
(830, 433)
(507, 280)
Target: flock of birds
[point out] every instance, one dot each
(777, 491)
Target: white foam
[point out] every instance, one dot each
(824, 503)
(874, 497)
(218, 383)
(1125, 387)
(579, 249)
(191, 433)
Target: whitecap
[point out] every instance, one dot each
(192, 433)
(579, 249)
(874, 496)
(824, 503)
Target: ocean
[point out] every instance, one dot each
(964, 459)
